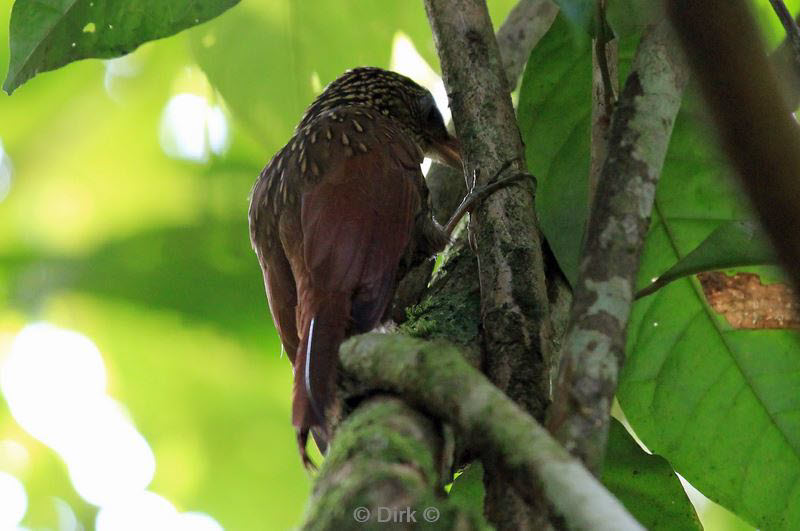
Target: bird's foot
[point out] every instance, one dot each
(302, 440)
(479, 193)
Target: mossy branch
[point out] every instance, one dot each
(514, 301)
(435, 378)
(385, 469)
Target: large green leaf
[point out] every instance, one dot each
(732, 244)
(646, 484)
(555, 121)
(722, 405)
(47, 34)
(554, 115)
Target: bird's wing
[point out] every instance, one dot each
(264, 236)
(357, 221)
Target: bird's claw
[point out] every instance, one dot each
(302, 440)
(478, 193)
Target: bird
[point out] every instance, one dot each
(337, 216)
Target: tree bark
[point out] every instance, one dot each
(594, 345)
(426, 373)
(514, 302)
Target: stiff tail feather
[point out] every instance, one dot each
(315, 370)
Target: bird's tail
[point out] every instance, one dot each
(315, 369)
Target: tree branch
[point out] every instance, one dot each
(605, 84)
(755, 126)
(513, 294)
(514, 302)
(386, 463)
(595, 340)
(525, 25)
(427, 374)
(787, 68)
(789, 24)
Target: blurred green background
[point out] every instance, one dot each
(123, 233)
(123, 202)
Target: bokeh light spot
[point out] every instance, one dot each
(145, 510)
(67, 519)
(118, 72)
(191, 128)
(54, 381)
(13, 501)
(316, 83)
(110, 460)
(5, 173)
(406, 60)
(197, 522)
(13, 455)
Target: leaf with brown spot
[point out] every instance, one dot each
(733, 244)
(719, 403)
(747, 303)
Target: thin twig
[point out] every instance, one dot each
(789, 24)
(786, 62)
(477, 194)
(602, 59)
(605, 75)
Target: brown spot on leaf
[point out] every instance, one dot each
(747, 303)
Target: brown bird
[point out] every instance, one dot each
(337, 215)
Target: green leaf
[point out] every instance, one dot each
(646, 484)
(720, 404)
(554, 115)
(732, 244)
(555, 118)
(47, 34)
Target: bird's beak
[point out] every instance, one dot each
(449, 153)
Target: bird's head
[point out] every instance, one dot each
(398, 98)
